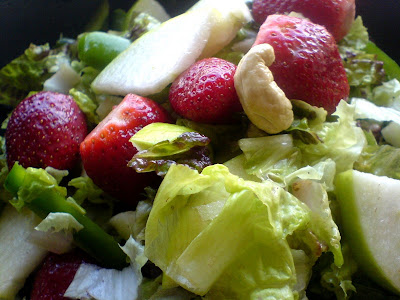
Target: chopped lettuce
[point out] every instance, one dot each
(139, 23)
(161, 145)
(132, 223)
(4, 195)
(63, 80)
(381, 160)
(387, 94)
(29, 71)
(223, 137)
(365, 109)
(363, 69)
(86, 104)
(94, 282)
(322, 224)
(283, 158)
(36, 182)
(220, 236)
(84, 96)
(342, 141)
(86, 189)
(59, 222)
(329, 281)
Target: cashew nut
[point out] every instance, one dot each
(263, 101)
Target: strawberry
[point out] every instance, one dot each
(205, 92)
(107, 150)
(56, 274)
(45, 129)
(307, 63)
(336, 15)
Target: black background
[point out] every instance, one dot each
(41, 21)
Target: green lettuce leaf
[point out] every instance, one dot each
(329, 278)
(138, 23)
(36, 182)
(84, 96)
(132, 223)
(29, 71)
(322, 224)
(220, 236)
(363, 69)
(4, 194)
(306, 116)
(86, 104)
(86, 189)
(381, 160)
(161, 145)
(365, 109)
(387, 94)
(342, 140)
(223, 137)
(283, 158)
(59, 222)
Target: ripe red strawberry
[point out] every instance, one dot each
(307, 62)
(205, 92)
(106, 151)
(45, 129)
(56, 274)
(336, 15)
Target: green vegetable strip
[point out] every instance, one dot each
(98, 49)
(392, 69)
(91, 238)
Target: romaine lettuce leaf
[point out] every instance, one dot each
(132, 223)
(84, 96)
(339, 279)
(59, 222)
(220, 236)
(381, 160)
(342, 141)
(387, 94)
(283, 158)
(365, 109)
(322, 225)
(362, 69)
(29, 71)
(86, 189)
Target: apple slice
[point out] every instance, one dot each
(155, 59)
(370, 209)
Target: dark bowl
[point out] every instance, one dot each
(41, 21)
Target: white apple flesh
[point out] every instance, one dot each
(154, 60)
(370, 210)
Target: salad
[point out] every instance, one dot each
(156, 157)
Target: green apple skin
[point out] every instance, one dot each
(370, 211)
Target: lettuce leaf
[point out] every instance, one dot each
(161, 145)
(322, 225)
(59, 222)
(363, 69)
(29, 71)
(220, 236)
(84, 96)
(132, 223)
(381, 160)
(4, 194)
(342, 141)
(283, 158)
(387, 94)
